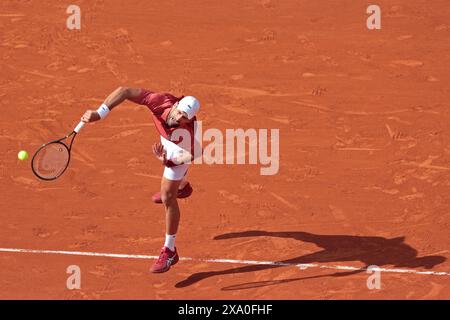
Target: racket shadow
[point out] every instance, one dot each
(259, 284)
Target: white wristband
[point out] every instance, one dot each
(103, 111)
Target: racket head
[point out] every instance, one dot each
(51, 160)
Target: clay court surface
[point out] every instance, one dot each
(364, 149)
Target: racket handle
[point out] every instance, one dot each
(79, 126)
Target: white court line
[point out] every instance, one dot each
(249, 262)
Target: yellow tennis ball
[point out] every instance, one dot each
(23, 155)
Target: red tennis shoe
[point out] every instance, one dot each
(183, 193)
(166, 259)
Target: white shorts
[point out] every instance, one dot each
(178, 172)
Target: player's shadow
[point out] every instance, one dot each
(377, 251)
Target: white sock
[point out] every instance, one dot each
(170, 241)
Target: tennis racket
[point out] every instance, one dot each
(52, 159)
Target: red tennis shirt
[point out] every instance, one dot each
(160, 104)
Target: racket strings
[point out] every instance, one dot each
(51, 161)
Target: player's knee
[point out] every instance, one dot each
(168, 197)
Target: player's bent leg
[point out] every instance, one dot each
(177, 173)
(183, 183)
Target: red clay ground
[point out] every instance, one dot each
(363, 118)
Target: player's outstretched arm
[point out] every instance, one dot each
(113, 100)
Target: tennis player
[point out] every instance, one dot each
(169, 113)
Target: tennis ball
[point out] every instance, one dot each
(22, 155)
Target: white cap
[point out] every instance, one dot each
(190, 105)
